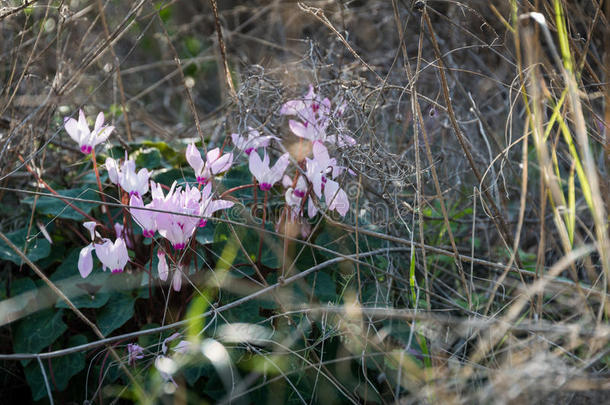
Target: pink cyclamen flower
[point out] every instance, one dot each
(252, 142)
(336, 197)
(174, 225)
(120, 232)
(300, 189)
(145, 219)
(172, 337)
(126, 176)
(268, 176)
(215, 163)
(321, 167)
(293, 202)
(112, 255)
(134, 352)
(79, 131)
(314, 116)
(209, 206)
(162, 268)
(85, 257)
(321, 170)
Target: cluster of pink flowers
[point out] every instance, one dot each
(176, 214)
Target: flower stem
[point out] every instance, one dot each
(262, 235)
(104, 208)
(231, 190)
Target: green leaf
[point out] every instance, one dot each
(67, 366)
(35, 380)
(68, 267)
(168, 153)
(239, 176)
(250, 239)
(149, 340)
(168, 176)
(149, 158)
(114, 315)
(57, 208)
(87, 301)
(38, 331)
(23, 290)
(193, 373)
(36, 249)
(246, 312)
(205, 235)
(324, 288)
(63, 368)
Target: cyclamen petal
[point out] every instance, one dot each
(257, 166)
(99, 121)
(167, 340)
(134, 352)
(336, 198)
(112, 255)
(303, 130)
(85, 261)
(90, 225)
(312, 210)
(179, 225)
(193, 157)
(125, 175)
(162, 268)
(177, 279)
(71, 126)
(113, 170)
(301, 187)
(183, 347)
(221, 164)
(145, 219)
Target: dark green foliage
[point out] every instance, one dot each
(117, 311)
(56, 208)
(36, 248)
